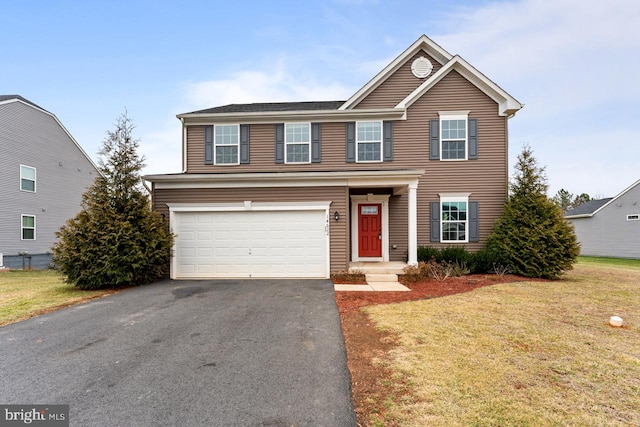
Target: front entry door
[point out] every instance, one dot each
(370, 231)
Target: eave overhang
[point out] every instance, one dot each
(316, 116)
(396, 179)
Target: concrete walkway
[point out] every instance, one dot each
(380, 277)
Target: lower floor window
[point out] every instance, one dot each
(28, 227)
(454, 219)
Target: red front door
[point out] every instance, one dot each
(369, 230)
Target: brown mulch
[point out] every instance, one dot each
(371, 383)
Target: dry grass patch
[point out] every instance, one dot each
(526, 354)
(24, 294)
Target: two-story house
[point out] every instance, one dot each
(43, 173)
(418, 156)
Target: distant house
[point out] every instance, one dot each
(43, 173)
(417, 156)
(609, 227)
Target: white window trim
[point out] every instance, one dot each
(368, 142)
(454, 198)
(455, 115)
(215, 144)
(287, 143)
(22, 227)
(35, 179)
(633, 217)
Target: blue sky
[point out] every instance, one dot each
(575, 64)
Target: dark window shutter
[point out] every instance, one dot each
(434, 140)
(244, 144)
(351, 142)
(387, 141)
(435, 221)
(280, 143)
(316, 152)
(473, 222)
(473, 139)
(208, 145)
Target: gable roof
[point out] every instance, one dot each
(5, 99)
(591, 210)
(587, 208)
(9, 98)
(423, 43)
(507, 105)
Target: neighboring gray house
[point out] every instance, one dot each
(609, 227)
(43, 174)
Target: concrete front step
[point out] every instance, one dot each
(381, 277)
(394, 267)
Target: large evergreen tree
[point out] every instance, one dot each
(116, 240)
(532, 237)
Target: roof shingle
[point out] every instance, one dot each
(588, 208)
(263, 107)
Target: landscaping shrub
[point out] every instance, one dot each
(116, 240)
(532, 238)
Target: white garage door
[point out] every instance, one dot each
(250, 244)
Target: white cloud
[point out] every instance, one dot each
(275, 83)
(574, 64)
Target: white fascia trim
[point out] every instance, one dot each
(249, 206)
(423, 43)
(507, 105)
(622, 193)
(8, 101)
(314, 116)
(396, 178)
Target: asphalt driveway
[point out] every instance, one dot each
(187, 353)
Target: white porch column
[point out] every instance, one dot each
(413, 224)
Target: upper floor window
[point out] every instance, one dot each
(297, 142)
(453, 137)
(226, 144)
(28, 227)
(369, 141)
(454, 219)
(27, 178)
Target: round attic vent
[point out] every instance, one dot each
(421, 67)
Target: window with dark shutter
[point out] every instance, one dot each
(244, 144)
(351, 142)
(387, 141)
(279, 131)
(208, 145)
(316, 149)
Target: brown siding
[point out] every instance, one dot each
(398, 86)
(485, 178)
(339, 230)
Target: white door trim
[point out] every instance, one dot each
(356, 201)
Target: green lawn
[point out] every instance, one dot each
(25, 294)
(608, 262)
(519, 354)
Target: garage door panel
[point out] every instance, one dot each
(251, 244)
